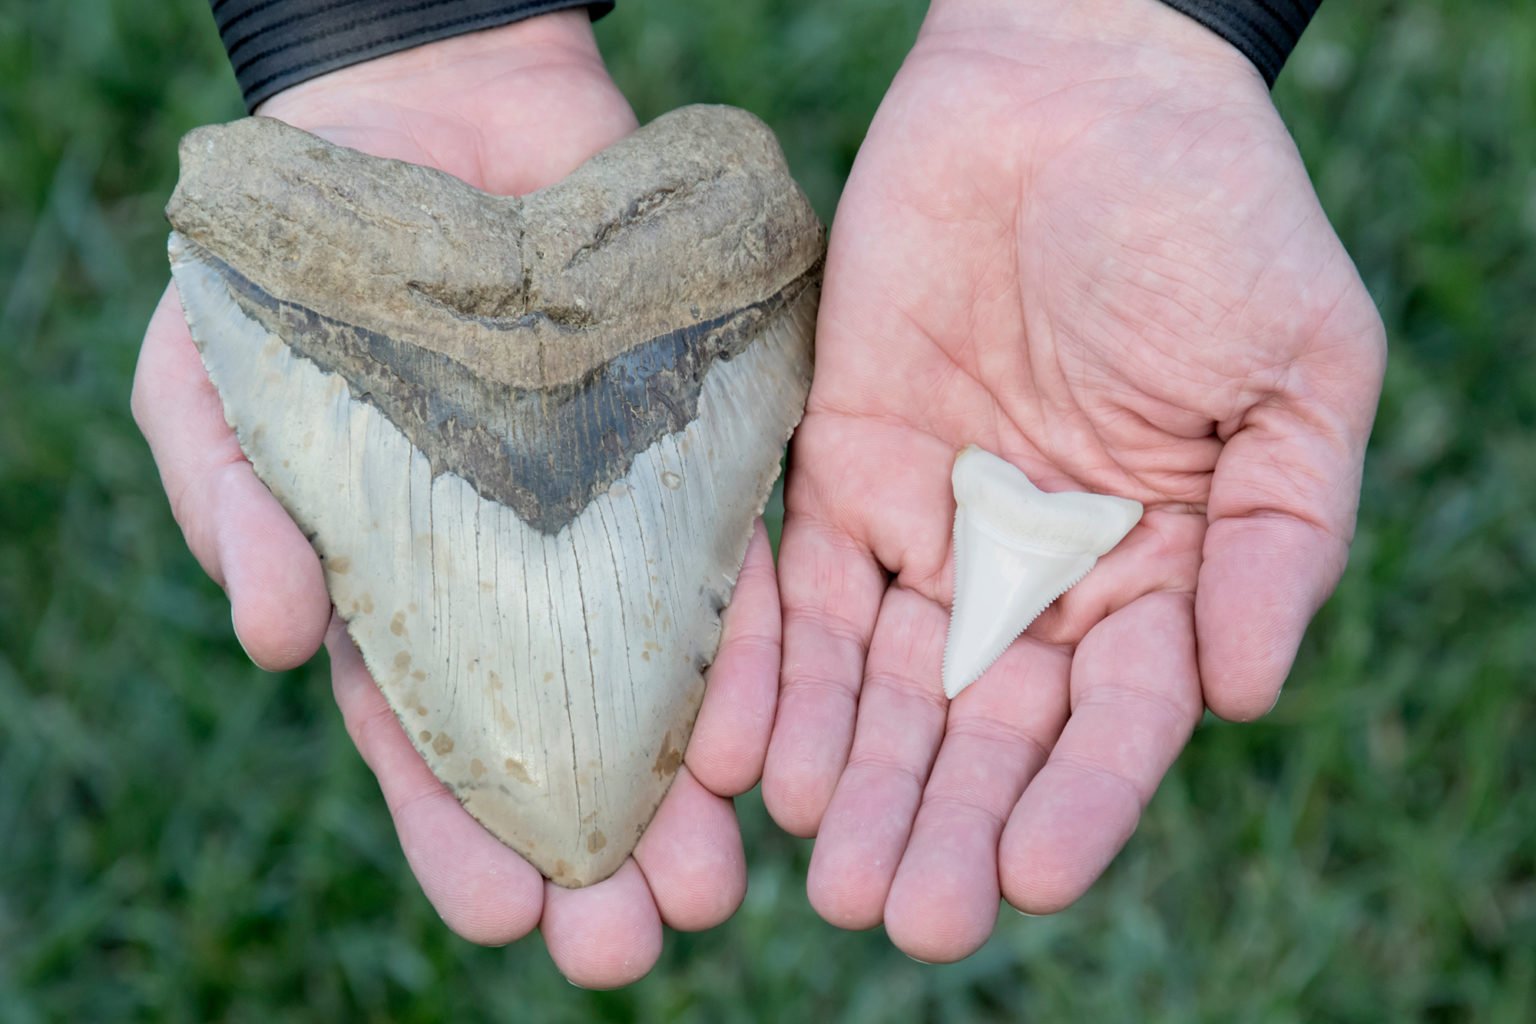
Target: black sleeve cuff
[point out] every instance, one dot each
(273, 44)
(1265, 31)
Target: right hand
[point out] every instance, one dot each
(1079, 236)
(509, 110)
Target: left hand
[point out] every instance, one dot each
(1079, 236)
(510, 110)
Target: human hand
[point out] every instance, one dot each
(1079, 236)
(509, 110)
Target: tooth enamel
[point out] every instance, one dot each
(1017, 549)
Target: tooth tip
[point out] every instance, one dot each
(954, 687)
(955, 680)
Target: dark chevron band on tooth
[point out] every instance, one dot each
(543, 452)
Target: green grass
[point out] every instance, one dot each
(183, 837)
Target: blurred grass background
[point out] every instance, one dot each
(183, 837)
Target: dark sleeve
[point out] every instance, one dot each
(1265, 31)
(273, 44)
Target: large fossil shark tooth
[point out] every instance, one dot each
(528, 437)
(1017, 549)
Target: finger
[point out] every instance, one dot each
(692, 858)
(236, 529)
(1282, 514)
(900, 724)
(1262, 580)
(480, 888)
(1161, 553)
(1135, 701)
(943, 901)
(831, 588)
(730, 738)
(606, 935)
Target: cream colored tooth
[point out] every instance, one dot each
(1017, 549)
(528, 436)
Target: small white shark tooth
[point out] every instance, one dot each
(1017, 549)
(528, 435)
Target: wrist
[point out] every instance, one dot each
(1094, 38)
(448, 76)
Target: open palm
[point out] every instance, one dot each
(1100, 258)
(509, 110)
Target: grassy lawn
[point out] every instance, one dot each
(183, 837)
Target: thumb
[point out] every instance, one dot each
(1281, 517)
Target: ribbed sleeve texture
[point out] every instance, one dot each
(1265, 31)
(273, 44)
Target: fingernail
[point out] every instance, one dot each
(236, 630)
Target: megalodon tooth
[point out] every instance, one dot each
(527, 436)
(1017, 549)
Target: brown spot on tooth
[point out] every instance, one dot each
(397, 624)
(443, 744)
(596, 841)
(516, 769)
(340, 565)
(477, 767)
(403, 660)
(668, 759)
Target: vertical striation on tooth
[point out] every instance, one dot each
(1017, 549)
(527, 436)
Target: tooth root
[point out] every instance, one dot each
(1017, 549)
